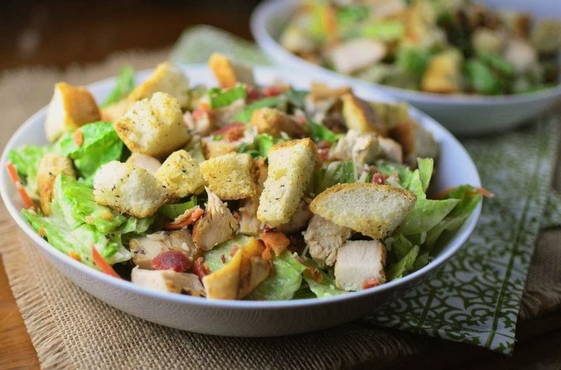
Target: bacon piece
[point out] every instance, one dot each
(174, 260)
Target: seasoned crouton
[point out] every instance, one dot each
(391, 114)
(166, 78)
(224, 283)
(230, 176)
(319, 91)
(181, 175)
(70, 108)
(144, 249)
(360, 116)
(324, 238)
(359, 148)
(168, 281)
(215, 148)
(228, 73)
(360, 265)
(128, 189)
(50, 166)
(291, 165)
(443, 74)
(371, 209)
(153, 126)
(354, 55)
(272, 121)
(216, 226)
(150, 164)
(415, 141)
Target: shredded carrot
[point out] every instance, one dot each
(78, 137)
(102, 264)
(194, 216)
(25, 198)
(13, 173)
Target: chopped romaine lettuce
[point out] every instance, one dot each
(123, 86)
(296, 97)
(322, 285)
(245, 115)
(334, 173)
(100, 144)
(383, 30)
(26, 161)
(171, 211)
(353, 13)
(260, 146)
(220, 255)
(321, 133)
(403, 266)
(284, 282)
(222, 98)
(427, 214)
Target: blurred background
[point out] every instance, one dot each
(58, 32)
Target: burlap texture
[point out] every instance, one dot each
(71, 329)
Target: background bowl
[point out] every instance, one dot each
(242, 318)
(463, 115)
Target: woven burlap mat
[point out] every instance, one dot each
(71, 329)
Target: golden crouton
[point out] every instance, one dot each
(230, 176)
(70, 108)
(115, 111)
(391, 114)
(153, 126)
(371, 209)
(291, 165)
(128, 189)
(215, 148)
(50, 166)
(227, 73)
(272, 121)
(181, 175)
(166, 78)
(443, 74)
(360, 116)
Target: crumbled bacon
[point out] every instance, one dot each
(200, 268)
(201, 110)
(174, 260)
(232, 132)
(78, 137)
(253, 93)
(379, 178)
(272, 91)
(275, 240)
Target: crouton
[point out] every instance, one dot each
(216, 226)
(354, 55)
(181, 175)
(150, 164)
(224, 283)
(230, 176)
(545, 36)
(50, 166)
(297, 40)
(415, 142)
(215, 148)
(391, 114)
(128, 189)
(228, 73)
(291, 165)
(168, 281)
(371, 209)
(115, 111)
(360, 265)
(272, 121)
(166, 78)
(153, 126)
(70, 108)
(360, 116)
(144, 249)
(324, 238)
(249, 223)
(443, 74)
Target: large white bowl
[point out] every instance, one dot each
(241, 318)
(461, 114)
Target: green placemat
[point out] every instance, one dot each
(475, 297)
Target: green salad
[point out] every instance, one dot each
(436, 46)
(239, 191)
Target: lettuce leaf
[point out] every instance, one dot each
(260, 146)
(426, 214)
(284, 282)
(100, 145)
(220, 98)
(334, 173)
(323, 288)
(220, 255)
(171, 211)
(123, 86)
(26, 161)
(77, 206)
(403, 266)
(321, 133)
(245, 114)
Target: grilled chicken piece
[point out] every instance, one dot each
(249, 224)
(168, 281)
(360, 265)
(216, 226)
(146, 248)
(360, 148)
(50, 166)
(351, 56)
(324, 238)
(299, 219)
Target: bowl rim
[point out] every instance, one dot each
(264, 13)
(459, 239)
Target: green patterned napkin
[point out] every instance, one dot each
(475, 297)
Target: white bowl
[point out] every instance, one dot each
(241, 318)
(461, 114)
